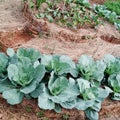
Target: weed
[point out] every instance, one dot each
(65, 117)
(28, 108)
(40, 113)
(44, 118)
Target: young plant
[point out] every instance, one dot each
(109, 15)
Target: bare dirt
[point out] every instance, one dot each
(12, 24)
(56, 40)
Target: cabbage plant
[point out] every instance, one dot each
(61, 65)
(90, 98)
(23, 78)
(30, 53)
(114, 84)
(59, 92)
(112, 64)
(91, 70)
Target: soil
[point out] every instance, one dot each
(12, 24)
(16, 31)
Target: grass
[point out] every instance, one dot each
(113, 5)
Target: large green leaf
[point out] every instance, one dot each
(39, 73)
(113, 64)
(43, 100)
(10, 52)
(28, 89)
(21, 73)
(92, 114)
(30, 53)
(73, 70)
(70, 104)
(37, 91)
(114, 82)
(84, 104)
(69, 93)
(56, 86)
(83, 84)
(59, 64)
(13, 96)
(3, 62)
(6, 85)
(45, 103)
(91, 70)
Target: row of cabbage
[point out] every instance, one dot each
(58, 82)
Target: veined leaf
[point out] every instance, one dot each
(13, 96)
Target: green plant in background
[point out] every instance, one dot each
(113, 5)
(69, 13)
(39, 2)
(77, 13)
(109, 15)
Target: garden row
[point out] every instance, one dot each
(58, 82)
(76, 13)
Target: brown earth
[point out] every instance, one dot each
(95, 42)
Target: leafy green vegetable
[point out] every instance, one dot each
(22, 73)
(59, 64)
(23, 79)
(56, 86)
(114, 84)
(13, 96)
(90, 98)
(51, 79)
(3, 62)
(91, 70)
(30, 53)
(113, 64)
(56, 94)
